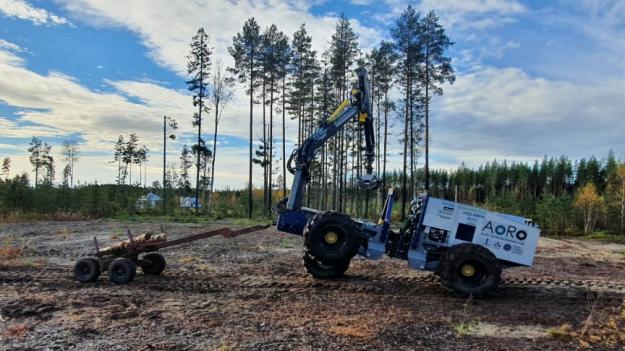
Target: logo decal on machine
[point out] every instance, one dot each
(509, 231)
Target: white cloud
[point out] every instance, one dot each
(6, 45)
(464, 15)
(8, 53)
(505, 113)
(23, 10)
(502, 7)
(489, 112)
(69, 108)
(166, 27)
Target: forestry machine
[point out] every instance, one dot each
(467, 247)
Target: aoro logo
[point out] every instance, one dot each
(508, 231)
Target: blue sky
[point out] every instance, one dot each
(533, 77)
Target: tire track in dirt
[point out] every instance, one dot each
(59, 277)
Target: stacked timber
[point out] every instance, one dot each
(142, 240)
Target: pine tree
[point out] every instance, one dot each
(343, 51)
(47, 162)
(436, 71)
(6, 168)
(117, 158)
(185, 163)
(275, 58)
(141, 159)
(169, 126)
(245, 51)
(301, 48)
(67, 171)
(199, 67)
(36, 157)
(384, 59)
(406, 35)
(283, 67)
(129, 155)
(71, 154)
(205, 155)
(221, 95)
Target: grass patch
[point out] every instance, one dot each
(288, 243)
(8, 250)
(191, 218)
(611, 237)
(251, 221)
(604, 236)
(465, 328)
(563, 332)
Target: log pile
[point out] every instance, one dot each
(147, 239)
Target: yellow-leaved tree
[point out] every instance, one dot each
(590, 204)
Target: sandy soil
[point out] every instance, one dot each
(251, 292)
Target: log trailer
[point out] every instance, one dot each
(467, 247)
(121, 260)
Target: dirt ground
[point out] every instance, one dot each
(251, 292)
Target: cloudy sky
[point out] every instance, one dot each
(534, 78)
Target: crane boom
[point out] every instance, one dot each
(358, 105)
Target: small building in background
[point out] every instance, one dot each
(189, 202)
(148, 201)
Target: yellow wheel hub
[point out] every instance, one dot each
(331, 237)
(468, 270)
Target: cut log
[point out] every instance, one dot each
(142, 240)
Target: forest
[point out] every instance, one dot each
(285, 79)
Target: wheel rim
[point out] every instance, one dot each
(84, 269)
(331, 237)
(468, 270)
(472, 273)
(120, 271)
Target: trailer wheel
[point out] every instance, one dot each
(469, 270)
(87, 270)
(324, 269)
(331, 236)
(122, 271)
(153, 263)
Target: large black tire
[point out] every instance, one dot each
(122, 271)
(331, 236)
(324, 269)
(153, 263)
(469, 270)
(87, 270)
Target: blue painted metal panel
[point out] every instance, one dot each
(294, 221)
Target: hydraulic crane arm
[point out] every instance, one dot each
(359, 105)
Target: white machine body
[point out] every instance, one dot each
(509, 238)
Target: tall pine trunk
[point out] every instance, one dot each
(199, 136)
(283, 137)
(269, 200)
(210, 194)
(250, 197)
